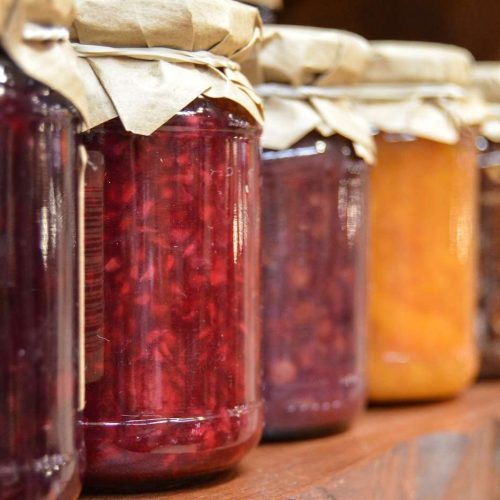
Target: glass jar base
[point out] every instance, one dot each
(490, 361)
(51, 476)
(210, 478)
(181, 451)
(275, 434)
(151, 473)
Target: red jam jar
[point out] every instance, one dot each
(172, 369)
(314, 240)
(172, 220)
(39, 442)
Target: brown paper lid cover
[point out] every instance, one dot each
(145, 60)
(298, 55)
(418, 62)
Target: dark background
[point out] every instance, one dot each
(474, 24)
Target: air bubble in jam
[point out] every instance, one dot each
(178, 393)
(314, 255)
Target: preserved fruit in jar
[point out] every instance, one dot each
(422, 268)
(314, 253)
(423, 238)
(173, 238)
(489, 162)
(486, 76)
(314, 227)
(39, 442)
(177, 393)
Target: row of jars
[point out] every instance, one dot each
(136, 289)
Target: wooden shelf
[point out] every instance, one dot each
(446, 450)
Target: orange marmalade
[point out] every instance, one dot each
(422, 293)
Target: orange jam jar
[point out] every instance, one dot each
(423, 240)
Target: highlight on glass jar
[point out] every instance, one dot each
(314, 229)
(40, 449)
(423, 236)
(487, 81)
(173, 210)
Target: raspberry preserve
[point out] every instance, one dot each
(173, 373)
(39, 448)
(314, 253)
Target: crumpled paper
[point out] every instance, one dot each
(146, 91)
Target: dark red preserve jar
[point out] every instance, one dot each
(173, 365)
(486, 77)
(314, 210)
(314, 253)
(489, 162)
(39, 446)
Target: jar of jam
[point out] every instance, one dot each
(40, 449)
(422, 254)
(313, 232)
(487, 80)
(172, 376)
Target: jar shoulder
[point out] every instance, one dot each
(202, 114)
(21, 95)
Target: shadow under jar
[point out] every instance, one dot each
(39, 445)
(314, 254)
(173, 379)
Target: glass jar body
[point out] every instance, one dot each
(173, 378)
(314, 255)
(267, 14)
(422, 265)
(489, 162)
(39, 445)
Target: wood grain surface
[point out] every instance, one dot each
(448, 450)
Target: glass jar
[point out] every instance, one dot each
(422, 268)
(175, 392)
(266, 13)
(489, 161)
(39, 445)
(314, 253)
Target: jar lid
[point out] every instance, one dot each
(221, 27)
(50, 12)
(306, 72)
(146, 60)
(24, 26)
(418, 62)
(299, 55)
(486, 78)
